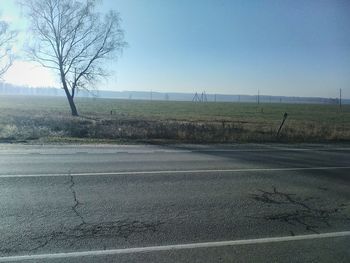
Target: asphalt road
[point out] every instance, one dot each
(183, 203)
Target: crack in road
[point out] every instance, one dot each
(304, 214)
(46, 239)
(119, 228)
(76, 201)
(122, 228)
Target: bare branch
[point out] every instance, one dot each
(7, 38)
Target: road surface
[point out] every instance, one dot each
(178, 203)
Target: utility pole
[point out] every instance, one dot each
(340, 98)
(258, 97)
(215, 97)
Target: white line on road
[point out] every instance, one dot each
(177, 172)
(174, 247)
(273, 149)
(157, 151)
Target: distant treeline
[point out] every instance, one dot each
(9, 89)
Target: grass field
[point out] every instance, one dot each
(47, 119)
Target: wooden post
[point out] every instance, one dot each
(284, 119)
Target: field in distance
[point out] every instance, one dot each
(47, 119)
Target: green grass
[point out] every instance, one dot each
(48, 119)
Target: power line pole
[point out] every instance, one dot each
(340, 98)
(196, 97)
(204, 97)
(258, 97)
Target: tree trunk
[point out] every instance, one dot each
(73, 108)
(72, 105)
(69, 96)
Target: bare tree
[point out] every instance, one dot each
(7, 37)
(70, 37)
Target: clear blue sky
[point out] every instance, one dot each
(296, 47)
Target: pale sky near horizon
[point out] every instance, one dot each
(290, 47)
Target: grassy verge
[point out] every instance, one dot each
(38, 119)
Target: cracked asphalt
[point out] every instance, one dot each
(56, 199)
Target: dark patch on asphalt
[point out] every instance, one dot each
(301, 212)
(323, 188)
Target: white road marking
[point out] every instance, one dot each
(174, 247)
(271, 149)
(177, 172)
(274, 149)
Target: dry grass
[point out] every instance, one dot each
(48, 120)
